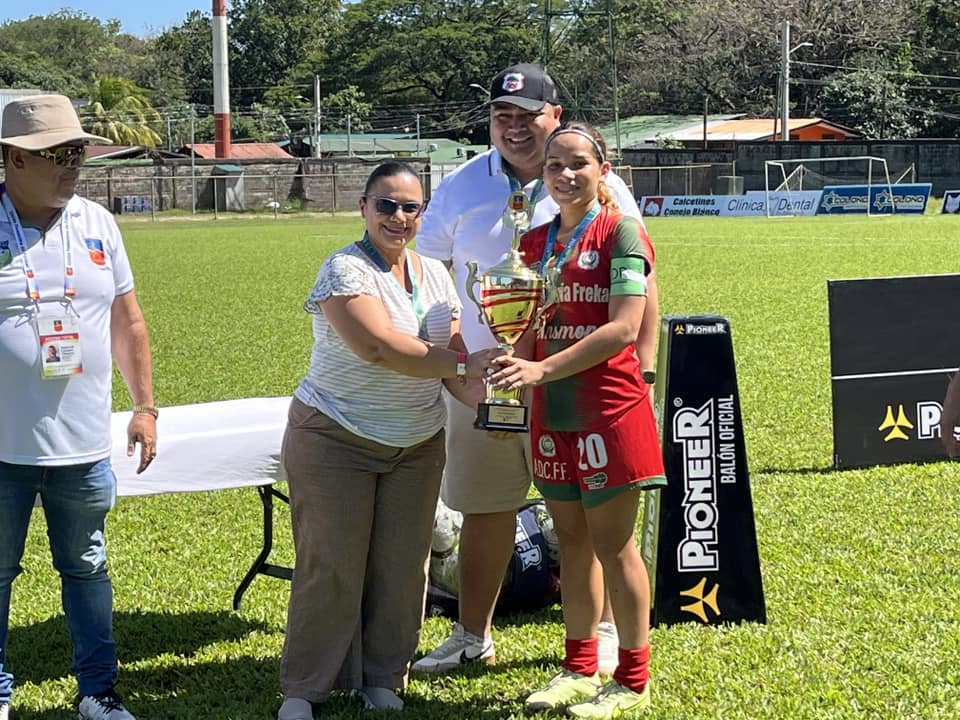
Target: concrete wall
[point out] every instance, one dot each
(329, 185)
(934, 161)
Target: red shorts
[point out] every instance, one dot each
(594, 465)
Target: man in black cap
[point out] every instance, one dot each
(469, 218)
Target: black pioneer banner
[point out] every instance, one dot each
(699, 539)
(894, 343)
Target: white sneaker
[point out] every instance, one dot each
(460, 648)
(608, 648)
(295, 708)
(4, 711)
(105, 706)
(378, 698)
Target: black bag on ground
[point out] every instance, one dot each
(532, 580)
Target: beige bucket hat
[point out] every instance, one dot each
(38, 122)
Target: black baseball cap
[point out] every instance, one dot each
(525, 85)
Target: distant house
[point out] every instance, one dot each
(97, 154)
(719, 132)
(723, 135)
(385, 145)
(238, 151)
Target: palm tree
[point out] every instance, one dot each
(121, 111)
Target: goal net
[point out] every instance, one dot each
(791, 178)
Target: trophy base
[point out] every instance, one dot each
(503, 418)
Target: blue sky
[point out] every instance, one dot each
(136, 17)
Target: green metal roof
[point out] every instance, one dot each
(639, 129)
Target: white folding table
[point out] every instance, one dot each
(213, 446)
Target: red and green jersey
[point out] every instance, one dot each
(595, 397)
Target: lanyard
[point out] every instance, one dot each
(371, 252)
(515, 185)
(33, 290)
(574, 239)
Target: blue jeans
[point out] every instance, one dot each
(76, 499)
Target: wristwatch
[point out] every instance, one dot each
(146, 410)
(462, 368)
(649, 376)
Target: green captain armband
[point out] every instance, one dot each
(628, 276)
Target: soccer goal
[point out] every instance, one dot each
(792, 178)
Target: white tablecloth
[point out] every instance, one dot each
(207, 446)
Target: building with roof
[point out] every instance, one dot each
(238, 151)
(717, 132)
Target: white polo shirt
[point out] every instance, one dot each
(60, 421)
(464, 221)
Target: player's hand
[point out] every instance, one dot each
(515, 373)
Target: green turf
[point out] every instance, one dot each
(860, 567)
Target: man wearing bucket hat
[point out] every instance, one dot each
(64, 279)
(487, 478)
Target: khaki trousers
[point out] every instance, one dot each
(362, 518)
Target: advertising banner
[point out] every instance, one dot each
(951, 202)
(894, 344)
(754, 202)
(698, 535)
(875, 199)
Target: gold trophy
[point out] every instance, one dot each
(510, 295)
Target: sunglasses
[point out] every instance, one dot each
(63, 155)
(388, 206)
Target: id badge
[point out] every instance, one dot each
(59, 336)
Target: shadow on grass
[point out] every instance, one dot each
(551, 614)
(793, 470)
(247, 688)
(41, 651)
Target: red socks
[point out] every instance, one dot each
(581, 656)
(633, 670)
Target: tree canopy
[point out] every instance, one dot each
(885, 67)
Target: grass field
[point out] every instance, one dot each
(861, 568)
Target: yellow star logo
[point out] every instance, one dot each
(702, 600)
(895, 425)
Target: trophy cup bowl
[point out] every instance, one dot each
(510, 294)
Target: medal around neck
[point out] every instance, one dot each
(510, 295)
(517, 213)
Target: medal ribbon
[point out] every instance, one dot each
(370, 251)
(574, 239)
(33, 290)
(515, 186)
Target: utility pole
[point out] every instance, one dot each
(316, 117)
(349, 146)
(193, 159)
(785, 52)
(418, 133)
(785, 80)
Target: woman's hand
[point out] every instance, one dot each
(516, 373)
(478, 362)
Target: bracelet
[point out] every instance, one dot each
(462, 368)
(146, 410)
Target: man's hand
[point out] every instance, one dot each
(142, 429)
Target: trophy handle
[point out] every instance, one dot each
(472, 280)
